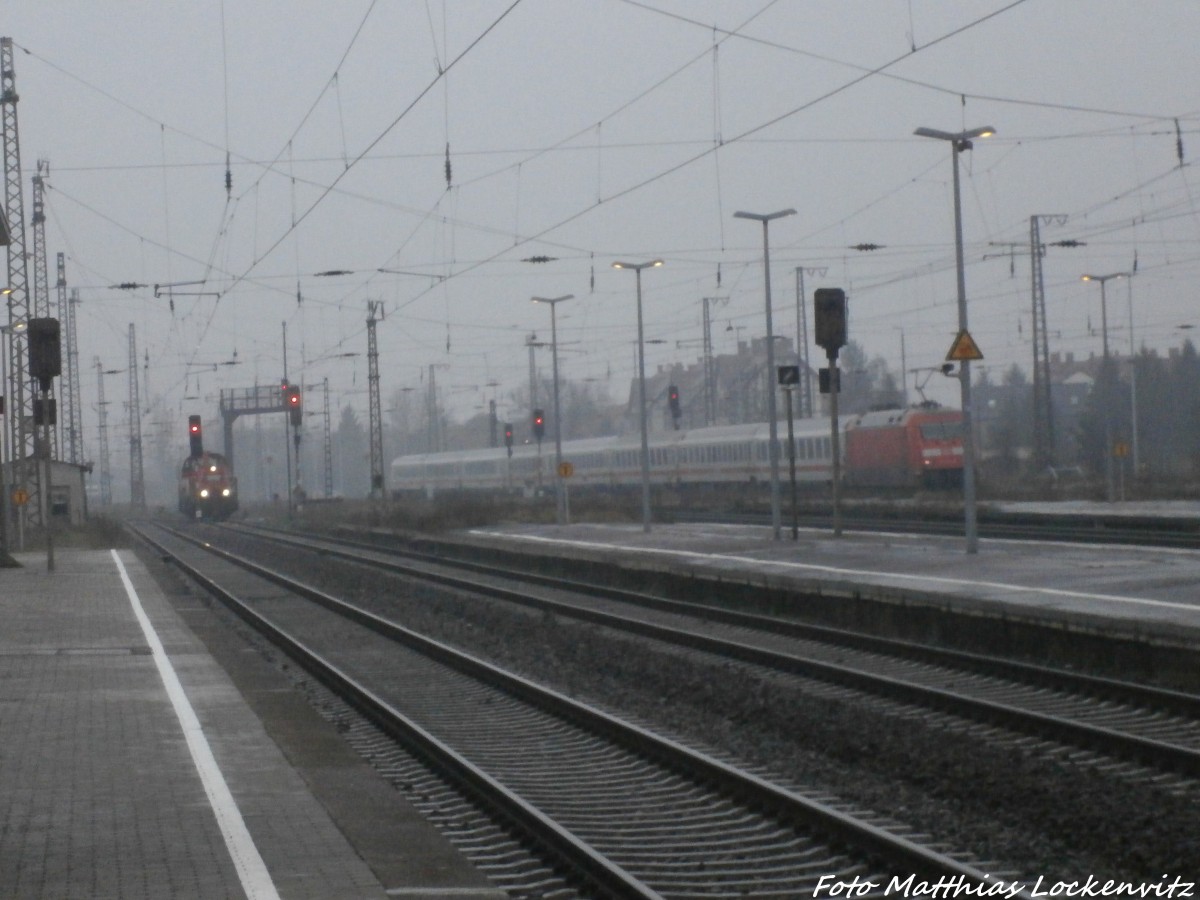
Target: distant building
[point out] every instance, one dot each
(738, 388)
(68, 501)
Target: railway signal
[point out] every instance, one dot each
(829, 309)
(45, 352)
(195, 437)
(673, 403)
(829, 323)
(539, 424)
(294, 405)
(508, 437)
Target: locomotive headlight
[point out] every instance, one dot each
(212, 468)
(226, 492)
(203, 493)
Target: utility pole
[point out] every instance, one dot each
(1044, 443)
(24, 440)
(102, 412)
(1043, 405)
(806, 404)
(137, 476)
(375, 412)
(532, 343)
(433, 410)
(328, 446)
(41, 282)
(710, 363)
(72, 420)
(48, 440)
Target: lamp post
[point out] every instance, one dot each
(1105, 401)
(637, 270)
(960, 141)
(559, 486)
(772, 425)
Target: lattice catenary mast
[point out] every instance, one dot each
(21, 411)
(328, 444)
(137, 477)
(102, 407)
(375, 413)
(42, 307)
(71, 418)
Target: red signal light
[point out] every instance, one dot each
(295, 413)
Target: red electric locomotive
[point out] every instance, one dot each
(207, 485)
(917, 447)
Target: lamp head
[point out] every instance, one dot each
(960, 139)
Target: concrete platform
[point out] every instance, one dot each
(1135, 593)
(143, 754)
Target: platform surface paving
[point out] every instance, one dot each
(101, 794)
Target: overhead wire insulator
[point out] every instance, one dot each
(228, 176)
(447, 164)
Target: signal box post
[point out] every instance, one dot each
(829, 321)
(789, 379)
(539, 431)
(195, 437)
(45, 364)
(508, 446)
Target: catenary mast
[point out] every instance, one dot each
(137, 475)
(20, 418)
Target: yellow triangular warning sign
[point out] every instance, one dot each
(964, 348)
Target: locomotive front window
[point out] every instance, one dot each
(942, 431)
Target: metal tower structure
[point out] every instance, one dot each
(21, 408)
(102, 413)
(375, 413)
(41, 275)
(1043, 406)
(710, 362)
(42, 307)
(137, 475)
(328, 448)
(71, 420)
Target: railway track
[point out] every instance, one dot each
(623, 811)
(1139, 724)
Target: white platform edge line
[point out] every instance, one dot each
(252, 871)
(838, 571)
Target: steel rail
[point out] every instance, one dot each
(1159, 753)
(752, 790)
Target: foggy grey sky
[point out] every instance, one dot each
(589, 132)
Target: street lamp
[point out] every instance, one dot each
(772, 426)
(637, 269)
(559, 488)
(1109, 486)
(960, 141)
